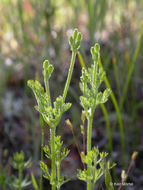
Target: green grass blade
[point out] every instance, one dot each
(125, 89)
(114, 101)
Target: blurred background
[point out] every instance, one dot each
(34, 30)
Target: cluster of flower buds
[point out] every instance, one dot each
(75, 40)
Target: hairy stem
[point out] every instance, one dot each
(89, 132)
(53, 172)
(69, 75)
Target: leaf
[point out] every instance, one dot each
(85, 103)
(25, 183)
(64, 153)
(42, 122)
(108, 179)
(106, 94)
(44, 168)
(47, 151)
(34, 182)
(28, 163)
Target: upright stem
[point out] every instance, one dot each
(53, 172)
(95, 73)
(42, 145)
(89, 132)
(58, 173)
(69, 75)
(20, 178)
(47, 90)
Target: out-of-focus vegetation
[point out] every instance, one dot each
(34, 30)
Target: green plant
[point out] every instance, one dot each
(19, 164)
(42, 124)
(104, 110)
(52, 113)
(91, 98)
(4, 177)
(96, 161)
(60, 154)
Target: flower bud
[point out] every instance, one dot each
(123, 175)
(82, 129)
(79, 37)
(46, 64)
(134, 155)
(75, 33)
(71, 40)
(69, 124)
(82, 155)
(50, 69)
(97, 47)
(83, 116)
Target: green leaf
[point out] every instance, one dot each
(34, 182)
(108, 179)
(42, 122)
(85, 103)
(25, 183)
(28, 163)
(44, 168)
(106, 94)
(47, 151)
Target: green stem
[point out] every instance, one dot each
(53, 157)
(69, 75)
(58, 173)
(89, 132)
(47, 90)
(95, 73)
(42, 145)
(20, 178)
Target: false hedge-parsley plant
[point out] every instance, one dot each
(52, 113)
(90, 82)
